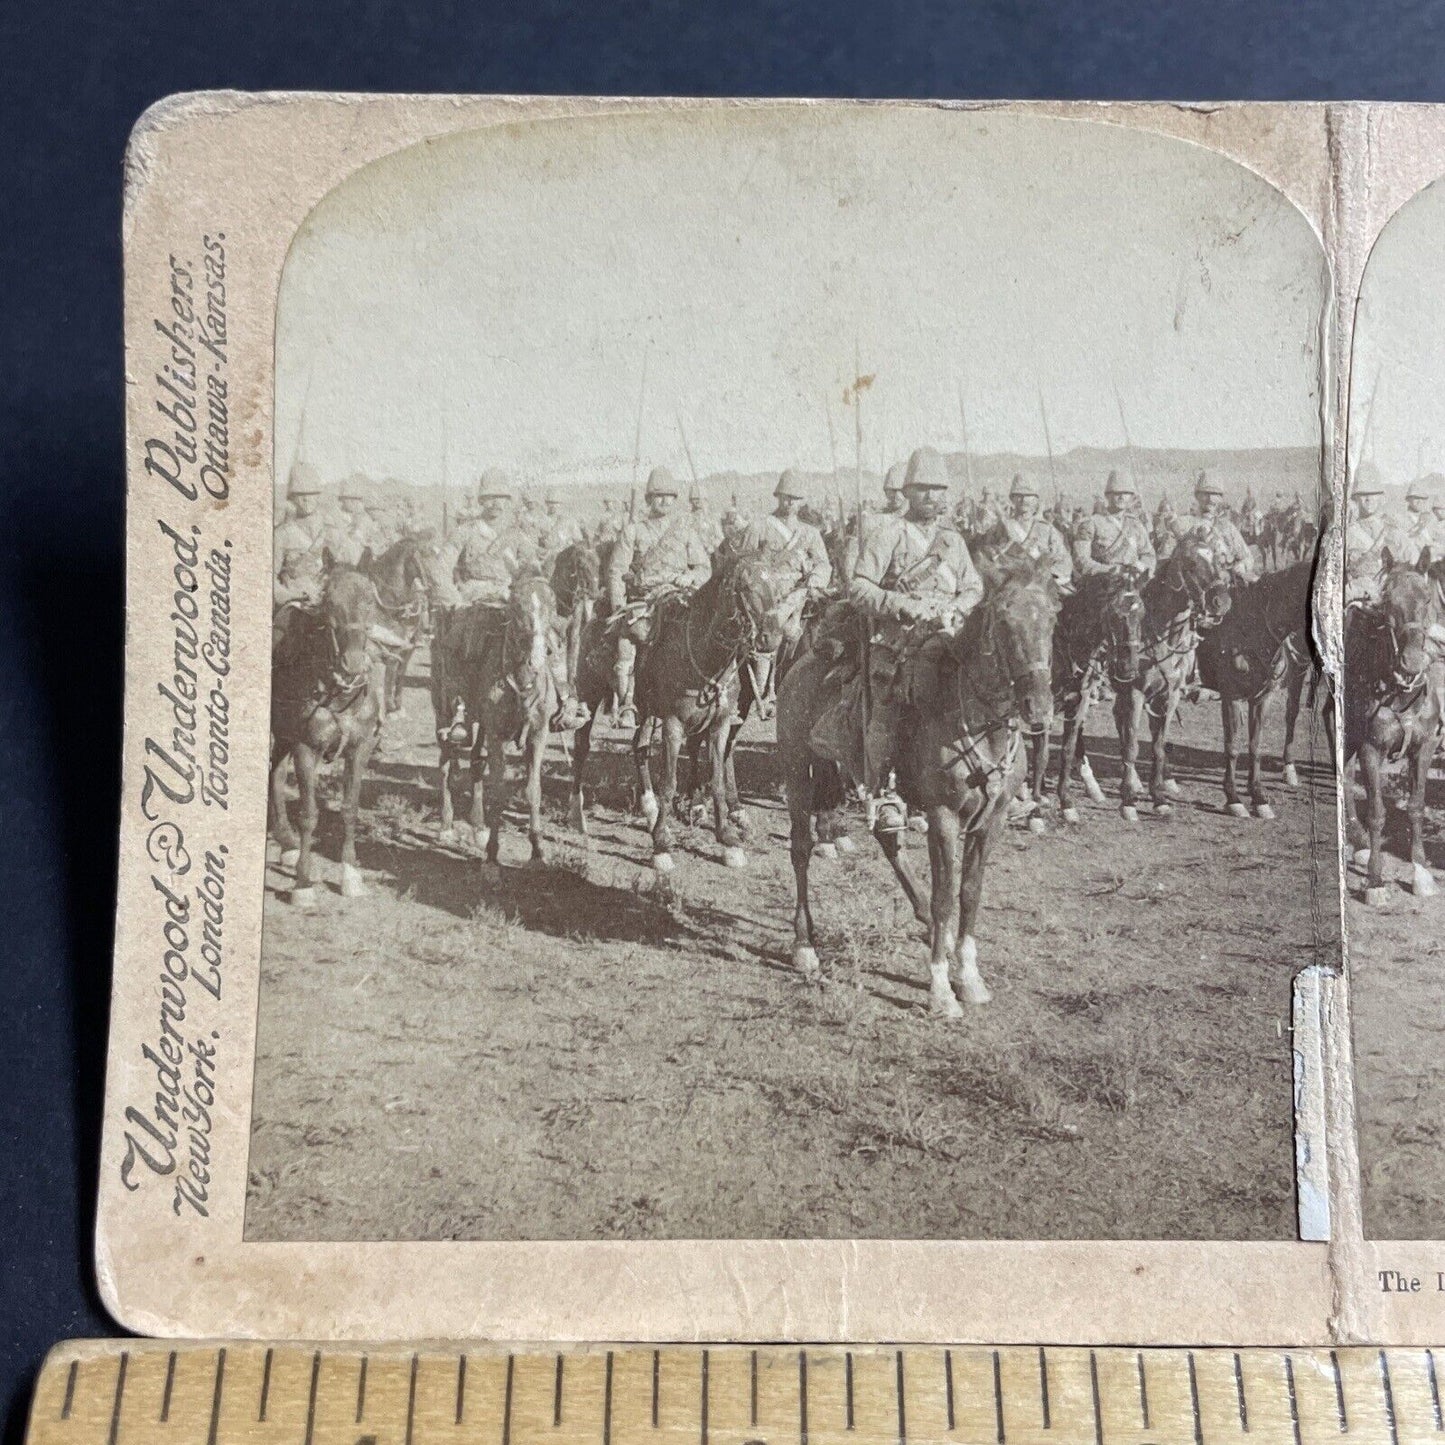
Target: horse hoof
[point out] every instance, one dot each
(825, 850)
(1422, 882)
(917, 823)
(1070, 815)
(1163, 810)
(447, 836)
(735, 858)
(975, 991)
(1361, 857)
(351, 884)
(1291, 776)
(1129, 813)
(1172, 788)
(944, 1005)
(844, 844)
(290, 857)
(537, 860)
(648, 806)
(1377, 897)
(805, 960)
(662, 863)
(1237, 810)
(1264, 812)
(741, 820)
(1036, 824)
(305, 898)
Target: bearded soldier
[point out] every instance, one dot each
(1369, 537)
(479, 560)
(1213, 526)
(1116, 543)
(1024, 530)
(784, 533)
(299, 545)
(656, 556)
(708, 529)
(1420, 530)
(916, 582)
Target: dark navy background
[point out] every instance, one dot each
(74, 76)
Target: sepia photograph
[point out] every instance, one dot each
(792, 706)
(1394, 707)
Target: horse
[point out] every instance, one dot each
(326, 699)
(1394, 677)
(499, 687)
(687, 679)
(1260, 645)
(404, 577)
(576, 582)
(1287, 535)
(960, 759)
(1186, 593)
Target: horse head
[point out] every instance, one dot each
(1193, 570)
(576, 575)
(349, 611)
(757, 587)
(1015, 632)
(1411, 609)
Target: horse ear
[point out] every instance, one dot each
(987, 569)
(1422, 563)
(1387, 560)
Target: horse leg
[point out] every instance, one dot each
(891, 843)
(944, 846)
(1294, 688)
(802, 838)
(536, 757)
(641, 751)
(581, 751)
(303, 889)
(496, 792)
(969, 981)
(280, 822)
(1258, 798)
(1159, 747)
(356, 761)
(1080, 760)
(477, 817)
(1068, 749)
(737, 814)
(728, 834)
(1372, 771)
(1422, 882)
(662, 839)
(1231, 714)
(1357, 838)
(1128, 703)
(1038, 772)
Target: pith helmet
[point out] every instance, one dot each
(694, 493)
(927, 472)
(351, 490)
(1205, 487)
(1020, 488)
(893, 480)
(549, 498)
(789, 486)
(304, 481)
(1419, 489)
(494, 485)
(660, 483)
(1117, 486)
(1367, 481)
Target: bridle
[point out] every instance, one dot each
(740, 646)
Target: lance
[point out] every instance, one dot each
(637, 441)
(1128, 444)
(1049, 447)
(833, 453)
(967, 450)
(691, 465)
(1369, 416)
(858, 439)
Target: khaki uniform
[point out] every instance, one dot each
(1108, 541)
(298, 556)
(800, 545)
(1419, 532)
(349, 539)
(654, 556)
(1226, 542)
(478, 563)
(709, 531)
(1367, 540)
(1036, 537)
(556, 534)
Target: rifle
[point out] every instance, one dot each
(637, 441)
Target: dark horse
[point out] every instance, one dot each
(960, 759)
(576, 582)
(404, 576)
(499, 686)
(687, 680)
(1394, 675)
(1261, 645)
(325, 704)
(1185, 594)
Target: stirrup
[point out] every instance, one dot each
(887, 813)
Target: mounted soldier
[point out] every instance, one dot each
(1166, 530)
(1213, 525)
(384, 531)
(1370, 537)
(1420, 530)
(299, 543)
(352, 536)
(1025, 531)
(556, 529)
(893, 503)
(480, 559)
(656, 557)
(735, 522)
(785, 534)
(914, 582)
(709, 530)
(1115, 542)
(607, 526)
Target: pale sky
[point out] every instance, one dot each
(490, 298)
(1400, 345)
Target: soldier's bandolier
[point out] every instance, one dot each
(1023, 530)
(1420, 532)
(1116, 542)
(349, 539)
(799, 545)
(1216, 529)
(298, 553)
(656, 556)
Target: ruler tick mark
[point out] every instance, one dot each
(847, 1391)
(606, 1402)
(265, 1387)
(1194, 1401)
(1239, 1393)
(361, 1390)
(657, 1381)
(216, 1397)
(1293, 1398)
(310, 1398)
(557, 1395)
(411, 1401)
(1044, 1387)
(902, 1408)
(1434, 1388)
(1094, 1388)
(170, 1385)
(461, 1386)
(802, 1397)
(68, 1403)
(948, 1384)
(119, 1394)
(1339, 1393)
(998, 1398)
(507, 1400)
(702, 1389)
(753, 1390)
(1389, 1399)
(1143, 1388)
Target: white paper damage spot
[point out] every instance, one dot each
(1312, 1184)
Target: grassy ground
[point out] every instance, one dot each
(591, 1051)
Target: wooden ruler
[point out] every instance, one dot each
(148, 1392)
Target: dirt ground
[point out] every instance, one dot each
(592, 1051)
(1399, 1029)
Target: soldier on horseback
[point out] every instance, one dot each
(556, 530)
(783, 532)
(1025, 531)
(1370, 536)
(656, 556)
(348, 540)
(709, 529)
(1116, 542)
(299, 546)
(1213, 525)
(1420, 530)
(915, 583)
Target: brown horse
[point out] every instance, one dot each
(576, 582)
(326, 689)
(405, 576)
(1261, 645)
(687, 681)
(1185, 594)
(1394, 677)
(960, 760)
